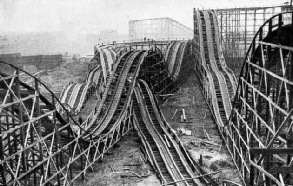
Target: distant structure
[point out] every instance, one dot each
(5, 45)
(158, 28)
(40, 62)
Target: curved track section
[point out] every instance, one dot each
(165, 152)
(74, 96)
(229, 76)
(107, 58)
(155, 70)
(41, 146)
(174, 57)
(117, 97)
(212, 74)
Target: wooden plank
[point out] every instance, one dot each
(265, 172)
(275, 45)
(196, 177)
(271, 151)
(174, 114)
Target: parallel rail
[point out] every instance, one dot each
(251, 129)
(230, 82)
(220, 98)
(66, 150)
(74, 96)
(107, 58)
(120, 97)
(167, 156)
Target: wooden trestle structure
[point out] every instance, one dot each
(41, 146)
(258, 131)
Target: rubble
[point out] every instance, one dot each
(199, 132)
(184, 131)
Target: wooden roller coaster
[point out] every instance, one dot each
(257, 125)
(42, 144)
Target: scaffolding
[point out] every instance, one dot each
(158, 29)
(238, 26)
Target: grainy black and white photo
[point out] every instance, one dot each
(146, 92)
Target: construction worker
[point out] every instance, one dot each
(80, 119)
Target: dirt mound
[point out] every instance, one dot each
(57, 78)
(77, 69)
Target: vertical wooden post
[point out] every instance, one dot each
(56, 140)
(251, 171)
(2, 166)
(82, 165)
(226, 43)
(245, 30)
(39, 123)
(22, 130)
(254, 21)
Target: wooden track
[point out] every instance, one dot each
(41, 144)
(76, 95)
(70, 146)
(256, 102)
(161, 144)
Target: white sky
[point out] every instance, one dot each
(91, 16)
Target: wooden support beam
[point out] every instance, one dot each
(271, 151)
(183, 115)
(196, 177)
(277, 133)
(174, 114)
(266, 173)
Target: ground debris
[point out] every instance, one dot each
(132, 164)
(204, 138)
(184, 131)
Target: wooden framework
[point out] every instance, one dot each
(158, 29)
(239, 25)
(139, 44)
(167, 131)
(259, 132)
(38, 145)
(155, 71)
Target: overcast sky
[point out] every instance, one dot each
(91, 16)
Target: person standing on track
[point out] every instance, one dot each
(80, 119)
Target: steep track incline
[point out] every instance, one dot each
(66, 150)
(120, 97)
(166, 153)
(254, 129)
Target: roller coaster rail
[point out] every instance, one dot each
(40, 146)
(155, 119)
(53, 150)
(126, 42)
(257, 132)
(45, 152)
(141, 44)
